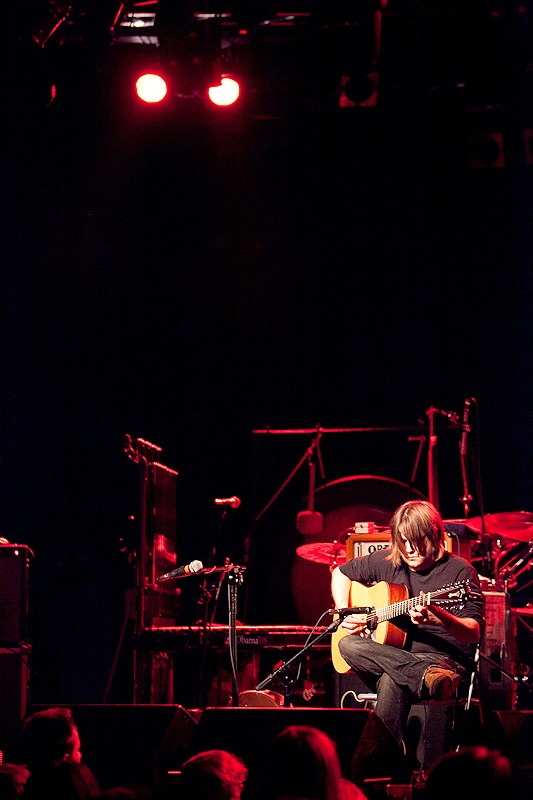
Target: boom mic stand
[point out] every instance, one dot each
(283, 671)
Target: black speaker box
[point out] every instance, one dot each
(365, 746)
(432, 728)
(130, 745)
(14, 561)
(512, 733)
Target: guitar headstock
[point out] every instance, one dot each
(454, 594)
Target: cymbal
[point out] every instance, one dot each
(523, 612)
(517, 525)
(461, 526)
(323, 552)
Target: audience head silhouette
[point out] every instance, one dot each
(474, 771)
(50, 737)
(13, 778)
(51, 751)
(304, 763)
(212, 775)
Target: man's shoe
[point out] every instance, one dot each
(441, 683)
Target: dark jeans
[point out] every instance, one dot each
(398, 676)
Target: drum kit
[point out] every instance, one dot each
(503, 549)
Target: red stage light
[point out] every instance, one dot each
(226, 93)
(151, 88)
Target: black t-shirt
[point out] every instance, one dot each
(448, 570)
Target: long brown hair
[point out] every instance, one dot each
(420, 523)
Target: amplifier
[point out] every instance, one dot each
(361, 544)
(499, 645)
(15, 687)
(14, 567)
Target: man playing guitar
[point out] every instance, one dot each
(431, 645)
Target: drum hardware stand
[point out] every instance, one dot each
(284, 672)
(466, 499)
(307, 456)
(509, 572)
(317, 432)
(433, 481)
(421, 442)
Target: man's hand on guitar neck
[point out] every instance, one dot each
(423, 615)
(464, 629)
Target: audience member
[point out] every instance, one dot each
(210, 775)
(50, 748)
(13, 778)
(474, 771)
(50, 737)
(304, 763)
(66, 781)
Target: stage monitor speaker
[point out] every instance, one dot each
(512, 733)
(433, 728)
(14, 565)
(248, 732)
(129, 745)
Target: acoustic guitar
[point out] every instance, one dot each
(384, 602)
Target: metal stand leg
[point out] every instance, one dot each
(130, 613)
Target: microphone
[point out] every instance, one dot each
(232, 502)
(452, 416)
(179, 572)
(465, 427)
(345, 612)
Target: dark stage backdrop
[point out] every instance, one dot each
(191, 283)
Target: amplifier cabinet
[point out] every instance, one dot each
(498, 692)
(14, 567)
(362, 544)
(14, 691)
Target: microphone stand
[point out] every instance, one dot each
(466, 499)
(235, 578)
(283, 670)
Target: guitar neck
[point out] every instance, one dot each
(404, 606)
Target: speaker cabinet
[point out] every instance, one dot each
(364, 744)
(14, 691)
(432, 728)
(512, 733)
(127, 745)
(14, 561)
(498, 692)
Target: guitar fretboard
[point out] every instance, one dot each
(404, 606)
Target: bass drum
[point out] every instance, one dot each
(343, 502)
